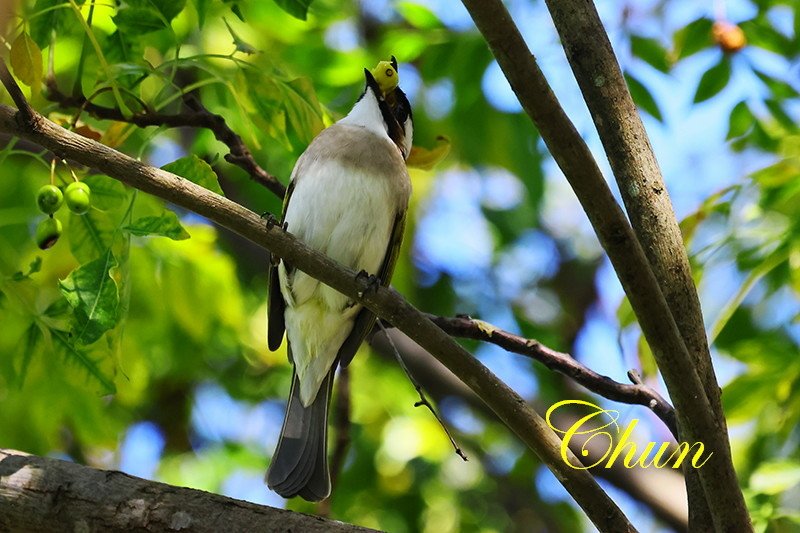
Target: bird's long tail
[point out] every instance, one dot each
(299, 466)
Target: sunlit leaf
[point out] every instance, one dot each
(713, 81)
(418, 15)
(90, 235)
(107, 193)
(166, 225)
(425, 158)
(196, 170)
(26, 60)
(83, 358)
(775, 477)
(93, 295)
(302, 108)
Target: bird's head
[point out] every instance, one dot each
(384, 107)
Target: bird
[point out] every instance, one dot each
(347, 198)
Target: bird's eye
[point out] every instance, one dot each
(389, 73)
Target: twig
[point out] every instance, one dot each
(195, 116)
(563, 363)
(26, 112)
(423, 400)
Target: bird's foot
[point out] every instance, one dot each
(273, 221)
(369, 282)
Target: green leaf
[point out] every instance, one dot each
(713, 81)
(90, 235)
(779, 88)
(201, 6)
(82, 358)
(643, 98)
(651, 51)
(121, 47)
(302, 108)
(296, 8)
(30, 344)
(93, 295)
(196, 170)
(775, 477)
(166, 225)
(169, 9)
(694, 37)
(783, 118)
(139, 20)
(107, 193)
(26, 60)
(740, 121)
(53, 14)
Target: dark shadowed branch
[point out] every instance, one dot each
(41, 494)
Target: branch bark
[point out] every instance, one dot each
(696, 417)
(384, 302)
(40, 494)
(645, 196)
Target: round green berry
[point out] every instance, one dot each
(49, 199)
(47, 232)
(78, 197)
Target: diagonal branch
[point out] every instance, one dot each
(196, 115)
(696, 418)
(384, 302)
(563, 363)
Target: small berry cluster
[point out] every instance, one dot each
(76, 195)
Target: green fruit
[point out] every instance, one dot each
(49, 199)
(78, 197)
(47, 232)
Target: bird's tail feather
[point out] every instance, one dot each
(299, 466)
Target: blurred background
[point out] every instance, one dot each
(181, 388)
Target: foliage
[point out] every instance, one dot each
(145, 314)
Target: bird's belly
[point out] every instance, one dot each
(346, 214)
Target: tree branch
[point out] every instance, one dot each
(195, 116)
(42, 494)
(696, 419)
(563, 363)
(645, 196)
(384, 302)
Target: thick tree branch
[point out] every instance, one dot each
(384, 302)
(40, 494)
(563, 363)
(643, 191)
(696, 419)
(195, 116)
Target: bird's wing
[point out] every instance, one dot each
(276, 305)
(365, 319)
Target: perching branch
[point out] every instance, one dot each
(384, 302)
(696, 418)
(42, 494)
(563, 363)
(195, 116)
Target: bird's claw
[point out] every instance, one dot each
(370, 282)
(273, 221)
(270, 218)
